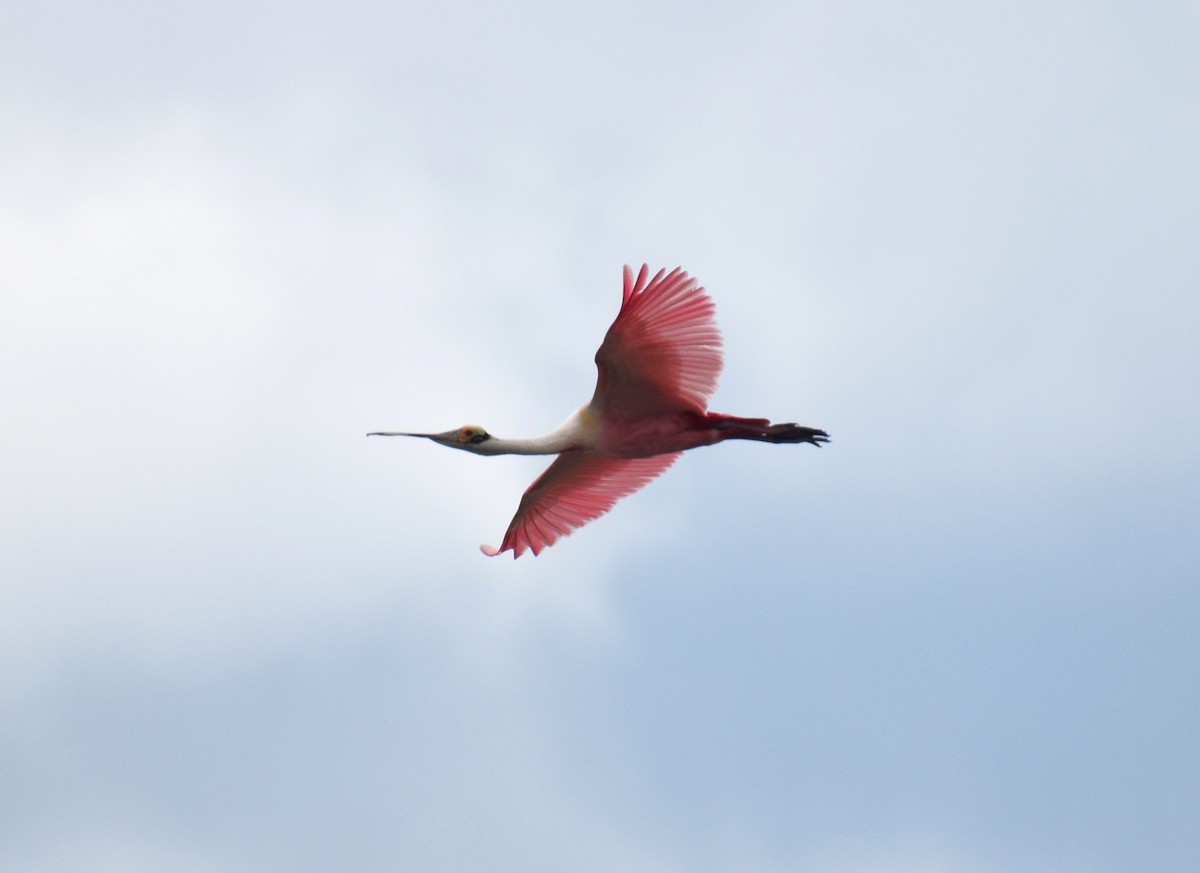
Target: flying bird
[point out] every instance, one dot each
(656, 369)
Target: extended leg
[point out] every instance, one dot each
(761, 429)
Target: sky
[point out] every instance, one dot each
(237, 635)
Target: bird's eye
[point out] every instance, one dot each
(478, 437)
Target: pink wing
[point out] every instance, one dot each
(663, 353)
(577, 488)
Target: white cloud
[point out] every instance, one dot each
(956, 239)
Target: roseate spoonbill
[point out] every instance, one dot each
(657, 367)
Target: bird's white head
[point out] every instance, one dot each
(469, 438)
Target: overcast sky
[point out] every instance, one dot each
(235, 635)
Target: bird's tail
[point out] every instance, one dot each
(734, 428)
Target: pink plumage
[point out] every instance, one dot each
(661, 357)
(577, 488)
(664, 350)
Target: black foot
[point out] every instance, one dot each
(795, 433)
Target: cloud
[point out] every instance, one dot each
(238, 633)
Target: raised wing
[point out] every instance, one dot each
(663, 353)
(577, 488)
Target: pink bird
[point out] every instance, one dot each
(657, 367)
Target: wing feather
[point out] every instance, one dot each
(577, 488)
(663, 352)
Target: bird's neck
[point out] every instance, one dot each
(543, 445)
(577, 432)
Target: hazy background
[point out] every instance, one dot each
(235, 635)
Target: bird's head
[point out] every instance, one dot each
(469, 438)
